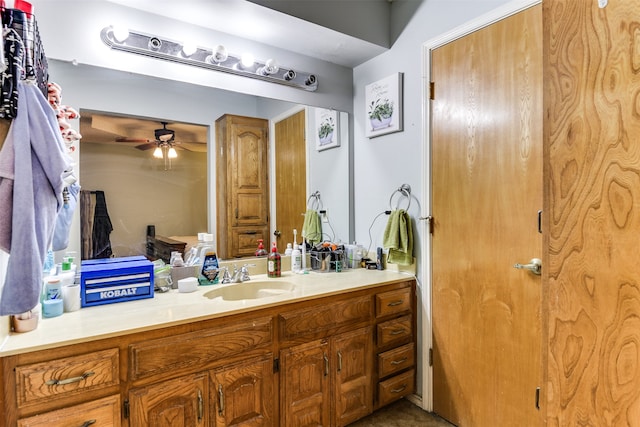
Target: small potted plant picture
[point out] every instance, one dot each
(325, 131)
(380, 113)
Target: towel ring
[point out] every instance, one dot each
(404, 190)
(314, 202)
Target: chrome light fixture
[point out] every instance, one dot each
(217, 59)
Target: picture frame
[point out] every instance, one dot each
(326, 129)
(383, 100)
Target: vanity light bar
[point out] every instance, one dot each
(169, 50)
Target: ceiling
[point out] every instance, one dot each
(347, 32)
(107, 128)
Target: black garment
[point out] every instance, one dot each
(102, 228)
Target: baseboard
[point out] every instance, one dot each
(415, 399)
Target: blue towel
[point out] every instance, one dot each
(40, 160)
(398, 238)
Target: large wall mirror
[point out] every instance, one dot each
(124, 110)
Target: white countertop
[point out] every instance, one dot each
(174, 308)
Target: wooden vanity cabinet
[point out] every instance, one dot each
(327, 361)
(245, 393)
(328, 381)
(242, 183)
(178, 402)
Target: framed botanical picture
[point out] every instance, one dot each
(384, 106)
(327, 133)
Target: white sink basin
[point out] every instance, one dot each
(251, 290)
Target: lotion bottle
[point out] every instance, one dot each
(296, 259)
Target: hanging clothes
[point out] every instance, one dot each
(36, 178)
(87, 212)
(102, 228)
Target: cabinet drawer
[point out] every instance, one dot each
(396, 387)
(393, 302)
(103, 412)
(309, 320)
(63, 377)
(197, 348)
(396, 330)
(396, 360)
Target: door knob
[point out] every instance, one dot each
(277, 233)
(535, 266)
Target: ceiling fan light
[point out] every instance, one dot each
(157, 153)
(172, 153)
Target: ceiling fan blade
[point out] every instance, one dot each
(193, 146)
(132, 140)
(148, 146)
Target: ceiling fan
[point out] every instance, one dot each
(163, 137)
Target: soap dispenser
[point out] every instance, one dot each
(261, 251)
(274, 263)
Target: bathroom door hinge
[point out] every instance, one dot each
(276, 365)
(432, 88)
(125, 408)
(431, 357)
(538, 398)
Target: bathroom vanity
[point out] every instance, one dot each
(330, 350)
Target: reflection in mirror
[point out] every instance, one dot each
(142, 184)
(95, 89)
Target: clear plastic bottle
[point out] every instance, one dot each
(207, 247)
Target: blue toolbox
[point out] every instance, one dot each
(117, 281)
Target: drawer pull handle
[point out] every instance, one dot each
(339, 361)
(394, 303)
(399, 389)
(397, 332)
(326, 365)
(88, 423)
(200, 406)
(70, 380)
(398, 362)
(220, 400)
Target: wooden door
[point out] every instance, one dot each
(305, 381)
(353, 359)
(181, 402)
(249, 201)
(591, 145)
(244, 393)
(487, 191)
(290, 178)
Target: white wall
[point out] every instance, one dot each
(70, 30)
(384, 163)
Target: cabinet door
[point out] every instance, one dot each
(353, 380)
(249, 176)
(304, 382)
(245, 393)
(173, 403)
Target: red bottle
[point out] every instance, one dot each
(260, 251)
(274, 263)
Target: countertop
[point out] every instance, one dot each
(175, 308)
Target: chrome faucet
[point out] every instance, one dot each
(239, 275)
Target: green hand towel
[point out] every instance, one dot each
(312, 227)
(398, 238)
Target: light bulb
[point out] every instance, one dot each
(120, 33)
(219, 54)
(157, 153)
(247, 60)
(189, 49)
(172, 153)
(271, 66)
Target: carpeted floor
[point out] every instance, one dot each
(401, 414)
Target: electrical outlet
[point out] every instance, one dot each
(323, 216)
